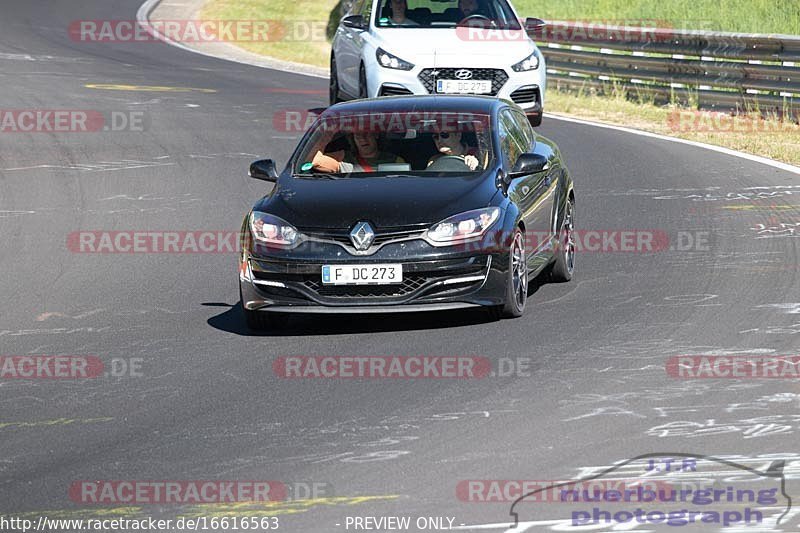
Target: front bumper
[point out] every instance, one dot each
(526, 89)
(434, 279)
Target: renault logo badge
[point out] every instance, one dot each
(362, 236)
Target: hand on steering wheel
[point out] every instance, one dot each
(471, 161)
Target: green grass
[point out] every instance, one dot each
(299, 15)
(746, 16)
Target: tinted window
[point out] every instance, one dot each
(396, 144)
(524, 126)
(510, 141)
(447, 13)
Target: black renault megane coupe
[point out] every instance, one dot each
(408, 203)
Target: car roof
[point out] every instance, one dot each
(421, 104)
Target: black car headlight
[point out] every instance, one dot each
(387, 60)
(529, 63)
(464, 226)
(272, 230)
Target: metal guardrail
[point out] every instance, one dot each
(712, 70)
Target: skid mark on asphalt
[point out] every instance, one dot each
(102, 166)
(9, 214)
(52, 59)
(146, 88)
(54, 422)
(45, 316)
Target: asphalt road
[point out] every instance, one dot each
(207, 404)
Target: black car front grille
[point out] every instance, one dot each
(390, 90)
(409, 285)
(526, 95)
(497, 76)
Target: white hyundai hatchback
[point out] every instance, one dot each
(401, 47)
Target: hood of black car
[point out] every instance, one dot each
(384, 202)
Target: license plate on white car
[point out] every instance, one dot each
(464, 86)
(362, 274)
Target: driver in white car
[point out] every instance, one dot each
(467, 8)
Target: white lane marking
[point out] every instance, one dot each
(29, 57)
(143, 14)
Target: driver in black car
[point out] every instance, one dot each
(448, 143)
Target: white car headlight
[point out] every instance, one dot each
(272, 230)
(529, 63)
(387, 60)
(463, 226)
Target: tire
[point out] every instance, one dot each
(536, 120)
(333, 84)
(564, 264)
(362, 83)
(516, 282)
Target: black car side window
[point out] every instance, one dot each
(509, 141)
(524, 126)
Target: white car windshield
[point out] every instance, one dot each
(396, 143)
(445, 13)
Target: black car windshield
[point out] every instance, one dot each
(445, 13)
(396, 144)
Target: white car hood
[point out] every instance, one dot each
(454, 49)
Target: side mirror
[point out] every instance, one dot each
(264, 169)
(533, 24)
(529, 164)
(534, 27)
(355, 22)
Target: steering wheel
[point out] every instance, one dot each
(476, 16)
(449, 163)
